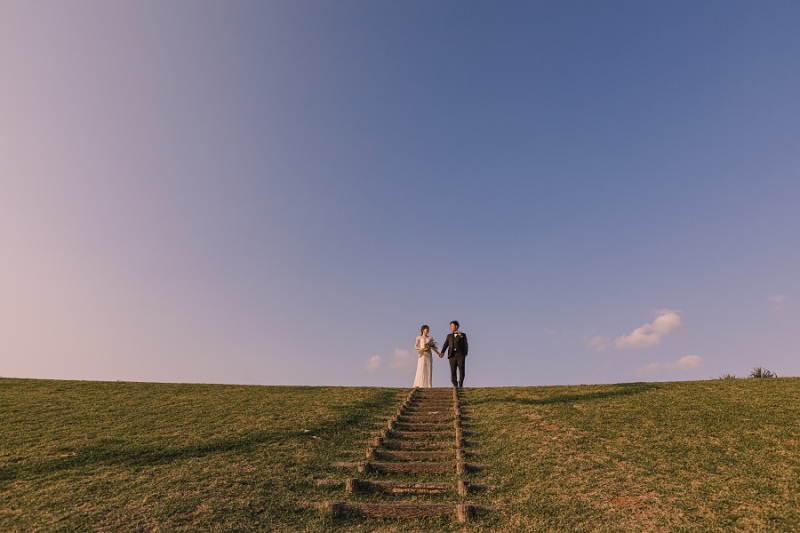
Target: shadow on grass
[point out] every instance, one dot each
(113, 452)
(624, 389)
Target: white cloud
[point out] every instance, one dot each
(599, 343)
(650, 335)
(686, 362)
(403, 361)
(373, 364)
(777, 301)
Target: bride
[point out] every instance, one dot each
(423, 345)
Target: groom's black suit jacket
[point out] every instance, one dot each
(456, 344)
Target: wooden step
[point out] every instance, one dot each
(424, 439)
(420, 445)
(414, 410)
(407, 468)
(393, 423)
(436, 399)
(458, 467)
(463, 487)
(439, 418)
(458, 511)
(422, 426)
(354, 485)
(433, 391)
(430, 398)
(433, 399)
(423, 435)
(417, 420)
(409, 455)
(416, 407)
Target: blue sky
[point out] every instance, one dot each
(281, 193)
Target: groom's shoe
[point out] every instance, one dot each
(461, 384)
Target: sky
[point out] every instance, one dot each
(283, 192)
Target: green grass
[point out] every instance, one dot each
(720, 455)
(693, 456)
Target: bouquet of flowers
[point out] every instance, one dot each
(430, 345)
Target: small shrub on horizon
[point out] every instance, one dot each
(727, 376)
(759, 372)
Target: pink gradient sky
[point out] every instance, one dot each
(283, 192)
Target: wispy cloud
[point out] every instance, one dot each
(403, 361)
(646, 336)
(599, 343)
(373, 364)
(650, 334)
(686, 362)
(777, 301)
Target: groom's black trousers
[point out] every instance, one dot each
(457, 362)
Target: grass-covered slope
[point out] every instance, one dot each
(693, 456)
(697, 456)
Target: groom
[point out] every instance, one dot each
(456, 347)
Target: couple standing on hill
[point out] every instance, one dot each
(457, 347)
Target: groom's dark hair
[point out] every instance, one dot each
(456, 323)
(424, 327)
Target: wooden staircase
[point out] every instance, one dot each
(415, 468)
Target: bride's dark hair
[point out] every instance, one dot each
(423, 328)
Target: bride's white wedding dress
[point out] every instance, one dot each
(424, 365)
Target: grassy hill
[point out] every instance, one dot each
(719, 455)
